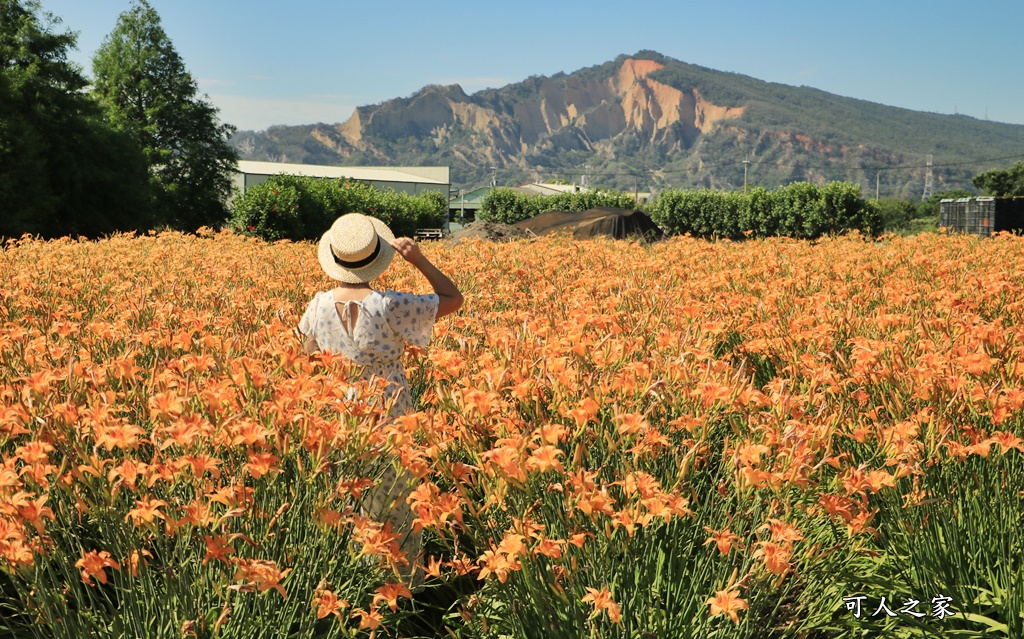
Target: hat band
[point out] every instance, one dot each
(359, 263)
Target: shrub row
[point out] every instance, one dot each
(296, 208)
(507, 206)
(800, 210)
(301, 208)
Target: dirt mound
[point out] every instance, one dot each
(596, 222)
(490, 231)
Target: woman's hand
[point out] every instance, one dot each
(309, 345)
(408, 249)
(450, 299)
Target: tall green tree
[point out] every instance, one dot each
(1002, 182)
(147, 91)
(63, 171)
(930, 207)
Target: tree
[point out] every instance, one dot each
(896, 213)
(930, 207)
(1002, 182)
(142, 82)
(62, 170)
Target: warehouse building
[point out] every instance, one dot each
(402, 179)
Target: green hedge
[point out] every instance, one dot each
(508, 206)
(302, 208)
(800, 210)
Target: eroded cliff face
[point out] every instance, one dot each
(577, 113)
(644, 114)
(651, 108)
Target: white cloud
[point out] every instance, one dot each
(247, 112)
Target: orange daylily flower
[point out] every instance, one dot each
(545, 458)
(135, 557)
(390, 592)
(146, 510)
(750, 454)
(33, 511)
(596, 502)
(549, 547)
(261, 464)
(34, 452)
(507, 460)
(631, 423)
(198, 513)
(218, 548)
(551, 434)
(1006, 441)
(727, 602)
(94, 564)
(326, 603)
(433, 567)
(378, 540)
(723, 540)
(367, 620)
(602, 600)
(119, 436)
(497, 563)
(775, 556)
(643, 483)
(836, 505)
(263, 574)
(201, 464)
(512, 544)
(782, 531)
(166, 405)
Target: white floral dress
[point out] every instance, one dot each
(376, 340)
(384, 324)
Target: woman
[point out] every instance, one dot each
(371, 328)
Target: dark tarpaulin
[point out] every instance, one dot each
(597, 222)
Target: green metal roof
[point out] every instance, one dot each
(473, 199)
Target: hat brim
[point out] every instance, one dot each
(366, 273)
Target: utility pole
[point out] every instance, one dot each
(877, 177)
(928, 178)
(745, 164)
(447, 218)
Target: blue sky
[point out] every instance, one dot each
(264, 63)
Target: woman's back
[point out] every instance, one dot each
(372, 332)
(371, 328)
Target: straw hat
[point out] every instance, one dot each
(357, 248)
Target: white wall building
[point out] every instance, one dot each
(402, 179)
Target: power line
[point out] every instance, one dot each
(866, 168)
(894, 167)
(936, 166)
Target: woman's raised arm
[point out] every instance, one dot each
(450, 297)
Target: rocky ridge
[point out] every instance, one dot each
(645, 122)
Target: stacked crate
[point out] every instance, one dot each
(952, 214)
(982, 215)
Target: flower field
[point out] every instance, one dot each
(758, 439)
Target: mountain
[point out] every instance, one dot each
(647, 121)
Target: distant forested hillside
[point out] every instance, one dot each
(649, 122)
